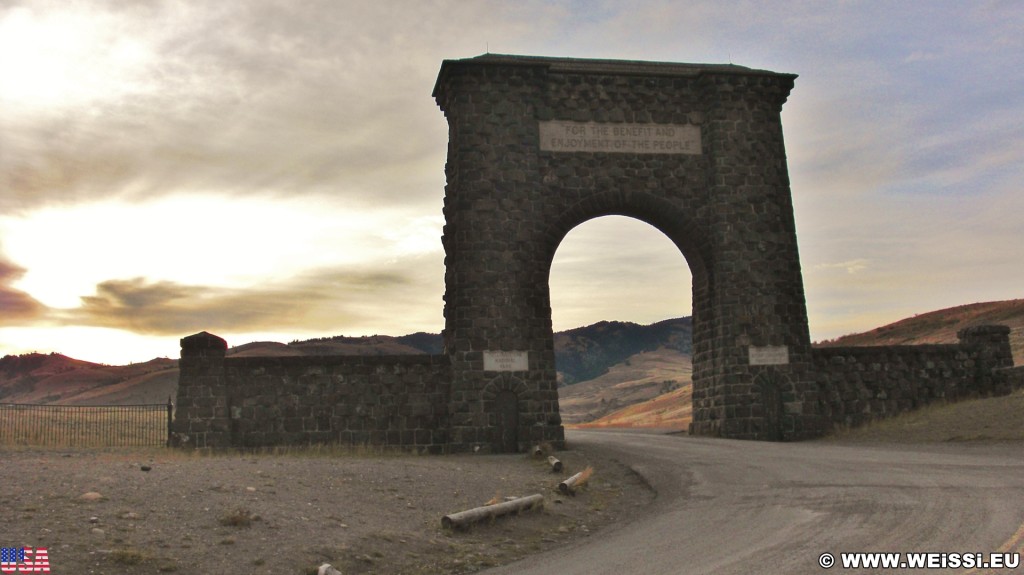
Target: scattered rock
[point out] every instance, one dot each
(327, 569)
(91, 496)
(146, 468)
(97, 531)
(250, 489)
(94, 519)
(130, 515)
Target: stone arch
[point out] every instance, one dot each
(539, 145)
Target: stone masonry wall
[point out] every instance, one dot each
(398, 401)
(861, 384)
(516, 188)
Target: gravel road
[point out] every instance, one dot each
(732, 507)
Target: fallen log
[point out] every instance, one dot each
(568, 487)
(464, 519)
(555, 464)
(538, 451)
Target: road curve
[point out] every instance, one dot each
(739, 507)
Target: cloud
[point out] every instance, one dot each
(324, 300)
(920, 56)
(16, 306)
(903, 136)
(256, 98)
(851, 266)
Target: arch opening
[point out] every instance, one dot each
(622, 302)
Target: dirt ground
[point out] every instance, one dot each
(165, 511)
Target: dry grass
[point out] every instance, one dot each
(129, 556)
(941, 326)
(673, 410)
(643, 377)
(987, 419)
(239, 517)
(57, 426)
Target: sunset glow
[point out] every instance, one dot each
(277, 172)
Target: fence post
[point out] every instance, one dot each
(170, 419)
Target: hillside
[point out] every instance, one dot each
(581, 355)
(55, 378)
(603, 368)
(941, 327)
(641, 377)
(585, 353)
(344, 345)
(673, 410)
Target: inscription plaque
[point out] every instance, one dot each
(564, 136)
(506, 361)
(769, 355)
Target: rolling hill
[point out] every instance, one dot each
(610, 373)
(58, 379)
(673, 410)
(581, 355)
(941, 327)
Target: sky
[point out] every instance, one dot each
(275, 170)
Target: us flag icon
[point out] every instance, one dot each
(24, 560)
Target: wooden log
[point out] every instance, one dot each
(555, 464)
(537, 451)
(464, 519)
(568, 487)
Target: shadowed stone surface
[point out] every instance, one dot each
(522, 172)
(536, 147)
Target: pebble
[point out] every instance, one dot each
(97, 531)
(90, 496)
(94, 519)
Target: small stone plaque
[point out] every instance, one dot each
(563, 136)
(506, 360)
(769, 355)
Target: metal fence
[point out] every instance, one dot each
(86, 425)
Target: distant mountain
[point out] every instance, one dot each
(581, 354)
(344, 345)
(585, 353)
(618, 373)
